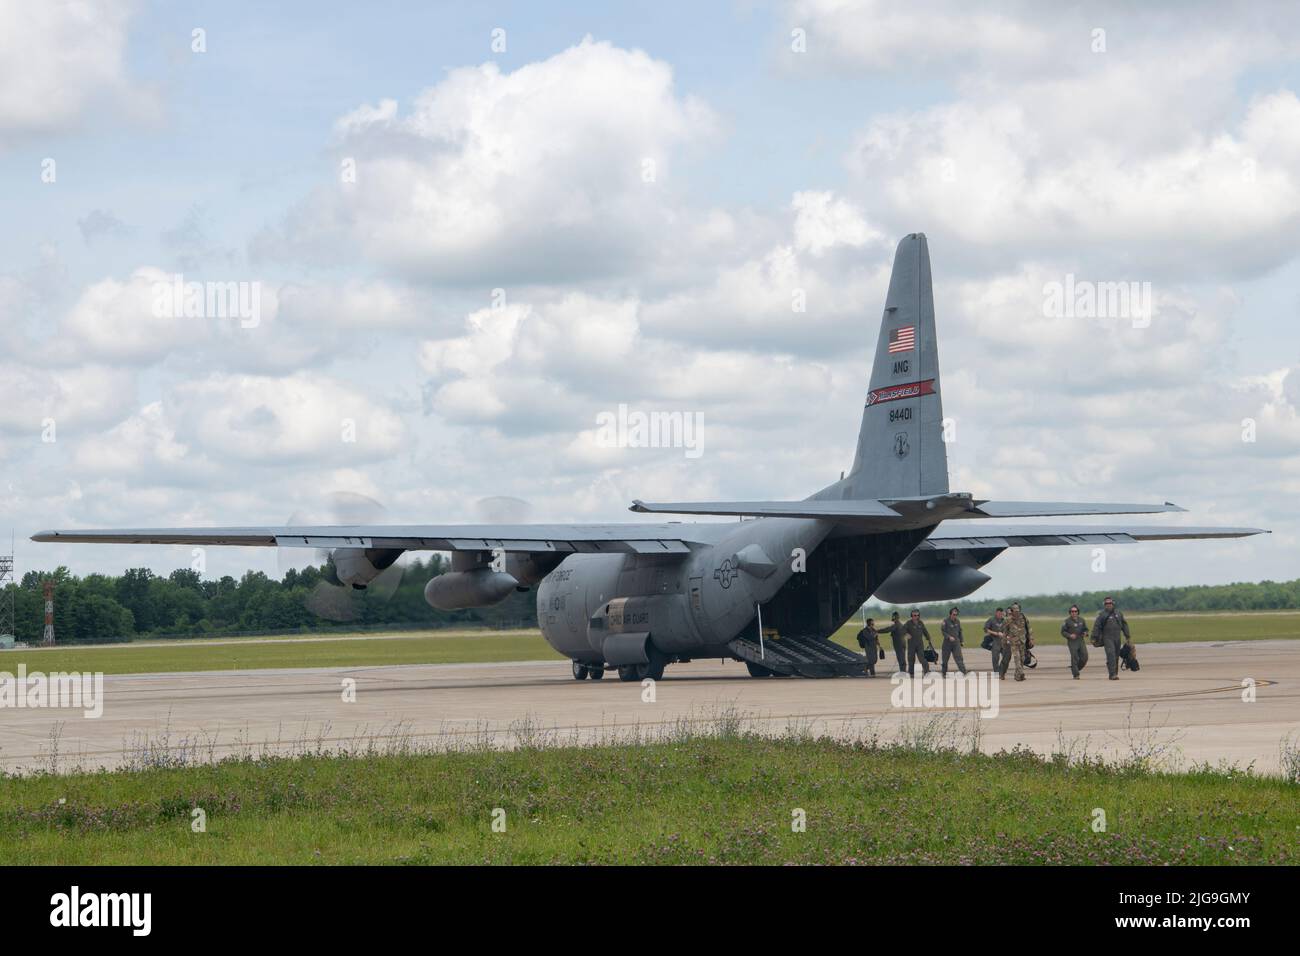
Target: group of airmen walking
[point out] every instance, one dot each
(1007, 636)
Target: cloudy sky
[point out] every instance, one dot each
(473, 229)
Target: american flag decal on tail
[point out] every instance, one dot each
(902, 340)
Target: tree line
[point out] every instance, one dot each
(1244, 596)
(101, 608)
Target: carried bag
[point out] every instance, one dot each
(1083, 655)
(882, 653)
(1128, 657)
(987, 643)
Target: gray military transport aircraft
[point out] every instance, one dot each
(769, 591)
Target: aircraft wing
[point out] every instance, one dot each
(949, 538)
(669, 538)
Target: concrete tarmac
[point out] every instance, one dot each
(1189, 704)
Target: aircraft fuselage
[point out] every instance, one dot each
(807, 581)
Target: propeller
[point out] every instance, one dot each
(502, 509)
(331, 598)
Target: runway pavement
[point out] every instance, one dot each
(1186, 705)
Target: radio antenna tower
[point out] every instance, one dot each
(47, 639)
(7, 589)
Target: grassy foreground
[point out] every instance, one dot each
(719, 799)
(484, 646)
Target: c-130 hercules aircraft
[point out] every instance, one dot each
(770, 591)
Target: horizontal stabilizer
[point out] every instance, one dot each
(770, 509)
(943, 506)
(1028, 536)
(1049, 509)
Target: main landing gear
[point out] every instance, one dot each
(653, 669)
(633, 672)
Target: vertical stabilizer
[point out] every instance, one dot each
(901, 450)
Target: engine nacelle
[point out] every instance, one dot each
(939, 582)
(480, 587)
(357, 567)
(528, 568)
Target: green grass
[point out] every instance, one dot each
(1146, 628)
(437, 647)
(485, 646)
(712, 799)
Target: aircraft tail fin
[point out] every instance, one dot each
(901, 450)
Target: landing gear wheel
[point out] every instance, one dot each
(627, 673)
(579, 670)
(654, 670)
(596, 671)
(757, 670)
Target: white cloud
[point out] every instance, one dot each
(823, 222)
(356, 305)
(145, 442)
(117, 320)
(142, 320)
(57, 59)
(986, 175)
(539, 173)
(77, 399)
(808, 295)
(547, 369)
(880, 35)
(266, 420)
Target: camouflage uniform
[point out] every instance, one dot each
(1075, 632)
(1000, 650)
(1016, 641)
(916, 631)
(1029, 642)
(1109, 626)
(951, 645)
